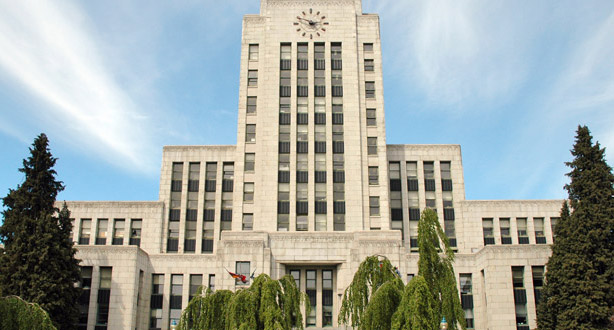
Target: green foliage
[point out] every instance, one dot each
(38, 261)
(579, 290)
(437, 269)
(371, 274)
(16, 314)
(267, 304)
(417, 308)
(382, 306)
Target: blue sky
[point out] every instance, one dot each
(111, 82)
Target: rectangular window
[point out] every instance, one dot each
(242, 268)
(311, 290)
(370, 89)
(466, 288)
(212, 282)
(250, 162)
(369, 65)
(429, 170)
(521, 225)
(252, 78)
(371, 117)
(226, 216)
(101, 234)
(327, 298)
(372, 146)
(487, 228)
(253, 52)
(251, 104)
(320, 222)
(104, 294)
(250, 133)
(367, 47)
(135, 232)
(248, 221)
(373, 176)
(431, 201)
(118, 231)
(248, 192)
(84, 233)
(176, 298)
(193, 177)
(177, 177)
(319, 61)
(520, 297)
(85, 284)
(504, 226)
(296, 274)
(189, 244)
(374, 206)
(196, 281)
(157, 292)
(302, 55)
(538, 282)
(553, 222)
(538, 224)
(413, 234)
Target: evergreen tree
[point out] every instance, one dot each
(579, 290)
(38, 261)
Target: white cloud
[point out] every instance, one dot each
(46, 48)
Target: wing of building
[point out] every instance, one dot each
(310, 189)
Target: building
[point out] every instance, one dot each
(311, 189)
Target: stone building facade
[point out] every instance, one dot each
(310, 189)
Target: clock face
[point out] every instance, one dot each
(311, 23)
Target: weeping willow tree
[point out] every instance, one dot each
(435, 266)
(16, 313)
(267, 304)
(376, 298)
(372, 273)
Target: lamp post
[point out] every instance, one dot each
(173, 325)
(443, 325)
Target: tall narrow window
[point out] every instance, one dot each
(466, 288)
(521, 225)
(104, 294)
(248, 192)
(250, 133)
(506, 236)
(320, 83)
(250, 162)
(538, 282)
(196, 281)
(226, 216)
(252, 78)
(84, 233)
(101, 233)
(157, 294)
(412, 190)
(369, 64)
(228, 177)
(538, 224)
(176, 298)
(283, 207)
(429, 176)
(311, 290)
(373, 176)
(296, 274)
(210, 177)
(175, 208)
(285, 57)
(84, 302)
(320, 139)
(430, 199)
(301, 56)
(135, 232)
(335, 56)
(446, 176)
(193, 177)
(553, 222)
(253, 52)
(371, 117)
(189, 243)
(118, 231)
(371, 146)
(413, 235)
(212, 282)
(370, 89)
(248, 221)
(319, 61)
(374, 206)
(251, 104)
(487, 228)
(327, 298)
(520, 298)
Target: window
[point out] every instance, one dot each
(248, 192)
(157, 291)
(85, 283)
(250, 160)
(135, 232)
(176, 297)
(101, 234)
(504, 226)
(189, 244)
(226, 221)
(320, 222)
(466, 289)
(373, 176)
(250, 133)
(302, 51)
(252, 78)
(446, 173)
(212, 282)
(253, 52)
(520, 298)
(196, 281)
(327, 298)
(311, 290)
(538, 282)
(370, 89)
(319, 56)
(242, 268)
(176, 177)
(521, 224)
(429, 170)
(487, 228)
(538, 224)
(84, 233)
(248, 221)
(372, 146)
(296, 274)
(518, 277)
(367, 47)
(371, 119)
(413, 234)
(104, 294)
(553, 222)
(302, 106)
(118, 231)
(374, 206)
(368, 65)
(251, 104)
(431, 201)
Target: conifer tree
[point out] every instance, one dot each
(38, 261)
(579, 289)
